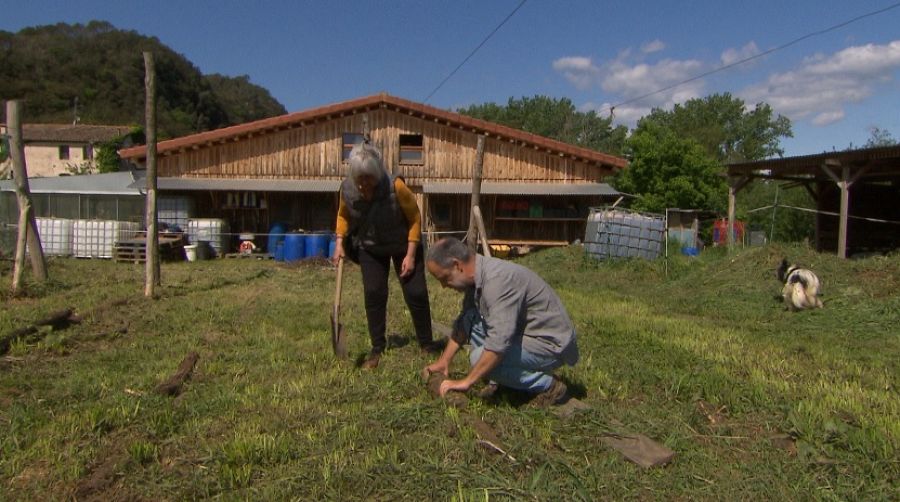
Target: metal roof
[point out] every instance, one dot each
(506, 188)
(87, 184)
(243, 184)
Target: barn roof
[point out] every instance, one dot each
(299, 119)
(70, 133)
(872, 163)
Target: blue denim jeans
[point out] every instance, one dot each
(518, 369)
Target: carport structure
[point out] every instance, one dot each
(859, 187)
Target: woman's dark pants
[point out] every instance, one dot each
(375, 270)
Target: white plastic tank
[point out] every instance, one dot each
(56, 236)
(97, 238)
(211, 230)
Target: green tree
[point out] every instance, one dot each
(669, 171)
(781, 223)
(94, 74)
(556, 119)
(726, 129)
(243, 101)
(879, 137)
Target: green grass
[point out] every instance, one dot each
(270, 415)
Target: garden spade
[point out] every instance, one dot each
(338, 337)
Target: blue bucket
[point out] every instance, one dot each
(690, 251)
(317, 245)
(294, 247)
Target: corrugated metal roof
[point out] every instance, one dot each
(88, 184)
(254, 185)
(299, 119)
(494, 188)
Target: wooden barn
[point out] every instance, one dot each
(857, 193)
(288, 169)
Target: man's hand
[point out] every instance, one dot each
(458, 385)
(436, 367)
(338, 251)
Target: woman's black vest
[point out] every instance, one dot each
(379, 225)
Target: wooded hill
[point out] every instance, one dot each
(97, 72)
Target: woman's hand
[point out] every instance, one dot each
(408, 266)
(338, 251)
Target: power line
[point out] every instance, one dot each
(475, 50)
(750, 58)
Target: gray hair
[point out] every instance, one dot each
(444, 251)
(365, 160)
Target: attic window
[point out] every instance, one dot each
(411, 150)
(63, 152)
(351, 139)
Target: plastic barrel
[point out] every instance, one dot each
(276, 235)
(332, 242)
(279, 251)
(294, 247)
(316, 245)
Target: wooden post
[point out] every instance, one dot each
(27, 226)
(843, 182)
(482, 233)
(152, 271)
(471, 237)
(734, 186)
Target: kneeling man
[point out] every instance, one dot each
(517, 325)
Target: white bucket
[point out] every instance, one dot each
(190, 251)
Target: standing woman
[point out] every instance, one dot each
(379, 215)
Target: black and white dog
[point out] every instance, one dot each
(801, 287)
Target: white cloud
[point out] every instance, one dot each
(826, 118)
(629, 78)
(823, 85)
(578, 70)
(653, 46)
(732, 55)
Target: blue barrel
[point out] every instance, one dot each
(294, 247)
(317, 245)
(332, 242)
(276, 235)
(279, 251)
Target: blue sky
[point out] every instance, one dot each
(835, 87)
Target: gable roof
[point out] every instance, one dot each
(70, 133)
(453, 119)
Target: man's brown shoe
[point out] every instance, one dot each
(555, 394)
(371, 362)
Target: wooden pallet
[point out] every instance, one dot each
(135, 250)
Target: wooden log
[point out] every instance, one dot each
(172, 386)
(58, 320)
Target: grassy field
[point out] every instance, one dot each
(696, 354)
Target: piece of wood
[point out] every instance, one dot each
(58, 320)
(638, 448)
(172, 386)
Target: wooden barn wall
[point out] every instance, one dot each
(313, 151)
